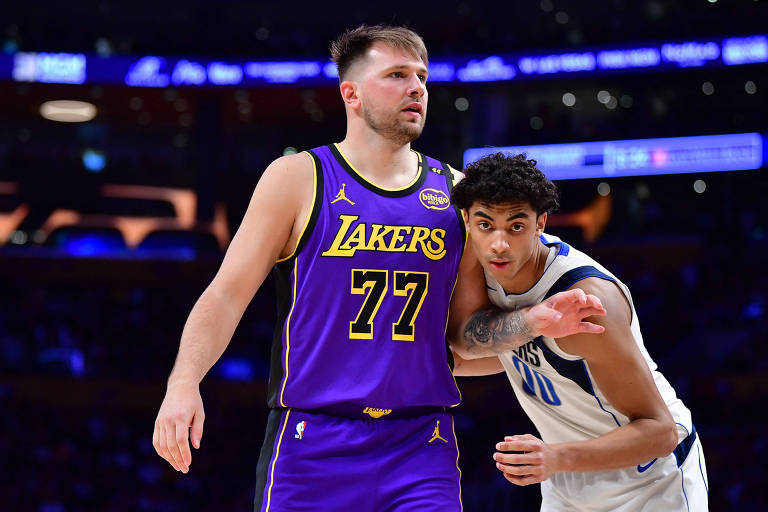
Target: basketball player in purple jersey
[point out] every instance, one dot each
(367, 250)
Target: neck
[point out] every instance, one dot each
(380, 160)
(529, 273)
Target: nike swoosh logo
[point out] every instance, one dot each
(642, 469)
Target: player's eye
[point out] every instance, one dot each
(484, 226)
(396, 74)
(517, 227)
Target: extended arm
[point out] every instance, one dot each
(622, 373)
(268, 231)
(476, 367)
(475, 329)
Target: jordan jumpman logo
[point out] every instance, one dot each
(341, 195)
(436, 433)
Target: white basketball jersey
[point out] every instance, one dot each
(557, 389)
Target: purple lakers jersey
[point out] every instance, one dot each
(363, 301)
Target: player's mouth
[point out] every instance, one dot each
(499, 264)
(414, 109)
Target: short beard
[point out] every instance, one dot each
(397, 132)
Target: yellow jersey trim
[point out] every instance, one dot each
(412, 183)
(454, 181)
(277, 454)
(311, 210)
(453, 427)
(288, 328)
(445, 333)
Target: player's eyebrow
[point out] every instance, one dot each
(419, 69)
(519, 215)
(482, 214)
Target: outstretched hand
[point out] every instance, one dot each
(563, 314)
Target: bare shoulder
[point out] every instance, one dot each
(287, 184)
(294, 169)
(617, 335)
(609, 293)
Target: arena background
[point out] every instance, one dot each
(111, 228)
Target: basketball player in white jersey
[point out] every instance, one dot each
(613, 434)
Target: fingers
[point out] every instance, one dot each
(519, 459)
(196, 434)
(173, 447)
(161, 445)
(594, 302)
(182, 441)
(521, 468)
(523, 480)
(521, 436)
(576, 295)
(519, 444)
(590, 311)
(579, 297)
(589, 327)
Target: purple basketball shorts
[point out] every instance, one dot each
(316, 462)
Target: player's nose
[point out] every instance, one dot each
(416, 88)
(499, 242)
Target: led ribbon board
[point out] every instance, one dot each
(711, 153)
(158, 71)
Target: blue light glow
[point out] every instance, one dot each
(711, 153)
(690, 53)
(745, 50)
(188, 73)
(330, 70)
(70, 357)
(565, 63)
(94, 160)
(89, 245)
(146, 73)
(442, 72)
(57, 68)
(283, 72)
(235, 368)
(155, 71)
(221, 73)
(489, 69)
(624, 59)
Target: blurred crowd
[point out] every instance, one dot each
(249, 29)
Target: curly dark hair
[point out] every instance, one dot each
(499, 178)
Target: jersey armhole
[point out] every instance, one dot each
(317, 200)
(450, 181)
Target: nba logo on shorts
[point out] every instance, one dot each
(300, 429)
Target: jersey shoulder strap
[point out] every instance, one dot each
(573, 276)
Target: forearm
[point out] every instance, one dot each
(491, 331)
(206, 334)
(635, 443)
(476, 367)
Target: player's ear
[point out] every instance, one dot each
(465, 215)
(349, 93)
(541, 223)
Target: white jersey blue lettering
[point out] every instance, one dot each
(557, 389)
(560, 395)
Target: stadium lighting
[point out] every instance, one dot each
(68, 111)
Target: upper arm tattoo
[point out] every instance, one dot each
(496, 331)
